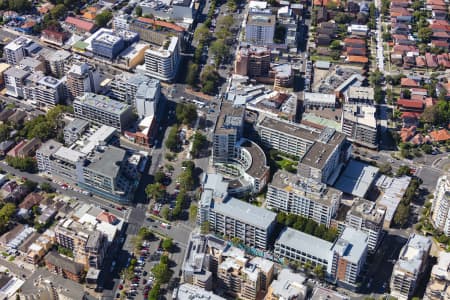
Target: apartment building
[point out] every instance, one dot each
(107, 173)
(162, 63)
(16, 50)
(359, 123)
(227, 132)
(65, 163)
(47, 92)
(102, 110)
(63, 266)
(410, 266)
(291, 138)
(287, 286)
(124, 87)
(188, 291)
(438, 285)
(196, 265)
(441, 205)
(368, 217)
(58, 62)
(260, 28)
(15, 82)
(342, 260)
(156, 31)
(253, 62)
(82, 78)
(89, 247)
(74, 130)
(107, 45)
(326, 157)
(244, 278)
(238, 219)
(303, 196)
(44, 154)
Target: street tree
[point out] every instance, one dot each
(154, 191)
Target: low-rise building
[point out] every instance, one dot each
(62, 266)
(410, 266)
(188, 291)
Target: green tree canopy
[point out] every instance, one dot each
(154, 191)
(102, 19)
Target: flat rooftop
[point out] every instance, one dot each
(352, 244)
(108, 161)
(368, 210)
(361, 114)
(357, 178)
(103, 103)
(360, 92)
(306, 187)
(293, 129)
(318, 154)
(245, 212)
(306, 243)
(261, 20)
(393, 191)
(230, 118)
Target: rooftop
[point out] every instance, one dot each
(306, 187)
(317, 155)
(68, 265)
(16, 73)
(293, 129)
(360, 114)
(352, 245)
(230, 118)
(368, 210)
(289, 285)
(305, 243)
(49, 147)
(413, 254)
(394, 190)
(77, 125)
(359, 92)
(258, 166)
(107, 38)
(245, 212)
(103, 103)
(261, 20)
(108, 161)
(188, 291)
(357, 178)
(320, 97)
(321, 293)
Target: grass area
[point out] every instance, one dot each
(324, 58)
(11, 258)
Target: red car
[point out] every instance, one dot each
(120, 287)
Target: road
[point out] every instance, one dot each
(379, 37)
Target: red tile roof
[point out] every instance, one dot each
(107, 217)
(357, 59)
(429, 102)
(440, 135)
(420, 61)
(408, 103)
(439, 43)
(408, 82)
(80, 24)
(441, 34)
(162, 24)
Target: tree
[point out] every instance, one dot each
(159, 177)
(186, 113)
(427, 148)
(193, 210)
(172, 139)
(406, 93)
(403, 170)
(102, 19)
(378, 94)
(343, 18)
(154, 292)
(138, 11)
(387, 37)
(58, 11)
(209, 87)
(319, 271)
(162, 272)
(280, 34)
(401, 215)
(47, 187)
(167, 244)
(26, 164)
(385, 169)
(201, 34)
(219, 49)
(198, 143)
(6, 212)
(335, 45)
(30, 185)
(191, 77)
(376, 77)
(154, 191)
(165, 212)
(4, 132)
(424, 34)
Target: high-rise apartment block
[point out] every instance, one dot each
(441, 205)
(58, 62)
(253, 62)
(260, 28)
(368, 217)
(410, 266)
(303, 196)
(438, 286)
(15, 82)
(162, 63)
(287, 286)
(227, 132)
(102, 110)
(82, 78)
